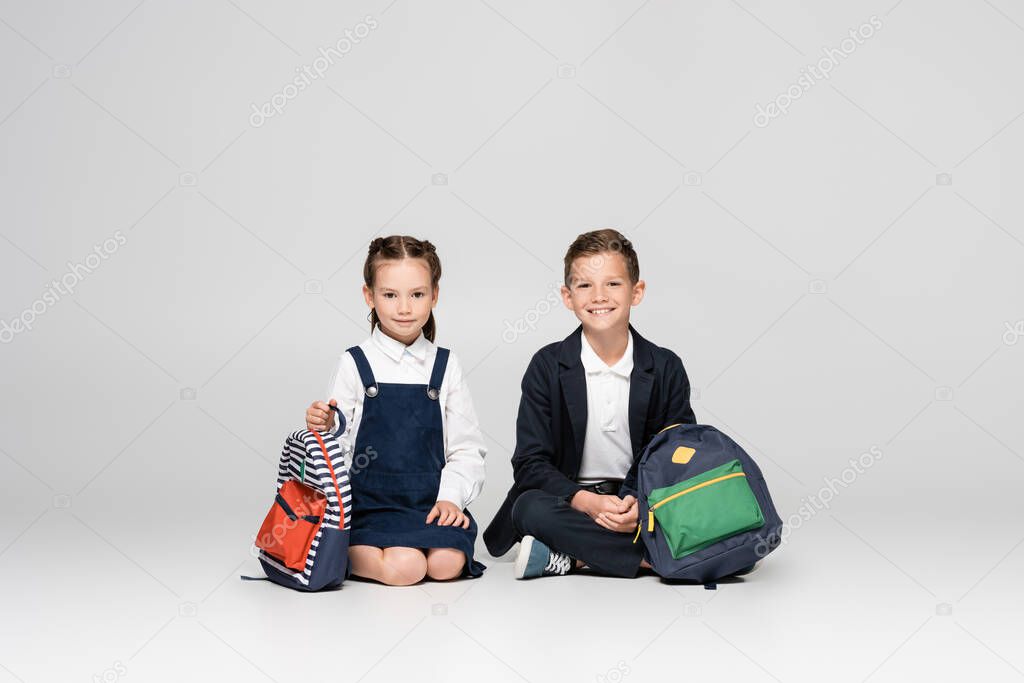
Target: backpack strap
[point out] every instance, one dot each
(337, 433)
(437, 375)
(334, 479)
(365, 373)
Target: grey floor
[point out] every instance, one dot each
(826, 606)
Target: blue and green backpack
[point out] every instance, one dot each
(704, 508)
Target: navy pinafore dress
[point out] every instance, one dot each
(396, 466)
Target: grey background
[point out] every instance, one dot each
(845, 278)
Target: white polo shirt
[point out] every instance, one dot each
(607, 450)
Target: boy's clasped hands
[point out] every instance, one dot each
(609, 511)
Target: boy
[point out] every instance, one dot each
(590, 404)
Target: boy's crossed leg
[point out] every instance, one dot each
(565, 530)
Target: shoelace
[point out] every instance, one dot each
(558, 563)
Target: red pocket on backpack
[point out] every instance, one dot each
(290, 526)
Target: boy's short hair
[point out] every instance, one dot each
(599, 241)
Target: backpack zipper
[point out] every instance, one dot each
(650, 511)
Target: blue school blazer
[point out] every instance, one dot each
(552, 421)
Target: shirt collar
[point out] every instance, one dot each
(395, 349)
(593, 364)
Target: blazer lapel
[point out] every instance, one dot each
(574, 388)
(641, 381)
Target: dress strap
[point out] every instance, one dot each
(365, 373)
(437, 375)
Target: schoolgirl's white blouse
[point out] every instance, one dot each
(462, 477)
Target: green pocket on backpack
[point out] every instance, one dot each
(702, 510)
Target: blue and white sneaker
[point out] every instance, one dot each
(536, 559)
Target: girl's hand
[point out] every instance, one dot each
(448, 514)
(320, 417)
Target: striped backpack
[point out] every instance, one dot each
(303, 541)
(703, 506)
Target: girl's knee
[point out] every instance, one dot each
(445, 563)
(403, 566)
(365, 561)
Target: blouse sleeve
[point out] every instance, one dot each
(462, 478)
(345, 387)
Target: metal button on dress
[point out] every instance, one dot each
(371, 391)
(432, 393)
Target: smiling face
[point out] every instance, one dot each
(403, 296)
(600, 292)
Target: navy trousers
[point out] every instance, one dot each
(552, 520)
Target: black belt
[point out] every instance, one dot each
(610, 487)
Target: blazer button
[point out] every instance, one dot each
(371, 391)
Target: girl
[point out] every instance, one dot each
(418, 457)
